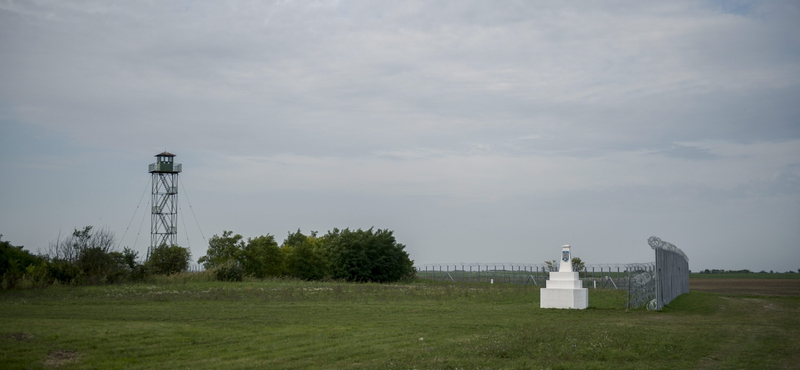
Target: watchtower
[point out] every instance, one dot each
(164, 216)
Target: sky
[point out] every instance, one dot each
(478, 131)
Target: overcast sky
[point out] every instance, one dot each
(491, 131)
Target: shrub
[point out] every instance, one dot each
(296, 238)
(99, 266)
(367, 256)
(261, 257)
(86, 256)
(135, 271)
(229, 271)
(14, 261)
(12, 276)
(222, 249)
(128, 258)
(64, 272)
(37, 276)
(10, 253)
(167, 260)
(305, 262)
(72, 246)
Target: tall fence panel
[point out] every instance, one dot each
(672, 271)
(672, 278)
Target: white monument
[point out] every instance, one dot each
(564, 289)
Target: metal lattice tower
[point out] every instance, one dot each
(164, 216)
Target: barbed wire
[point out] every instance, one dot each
(656, 243)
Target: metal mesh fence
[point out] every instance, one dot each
(651, 285)
(641, 285)
(511, 273)
(609, 275)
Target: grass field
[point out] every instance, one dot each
(180, 323)
(752, 287)
(752, 275)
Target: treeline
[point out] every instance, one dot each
(350, 255)
(90, 256)
(745, 271)
(87, 256)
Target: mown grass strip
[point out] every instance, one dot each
(325, 325)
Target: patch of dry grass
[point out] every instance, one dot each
(60, 357)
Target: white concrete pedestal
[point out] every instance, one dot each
(564, 289)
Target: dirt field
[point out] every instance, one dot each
(765, 287)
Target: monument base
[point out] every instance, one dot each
(564, 298)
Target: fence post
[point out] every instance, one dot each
(628, 273)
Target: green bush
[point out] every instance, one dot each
(14, 261)
(222, 249)
(9, 253)
(37, 276)
(305, 262)
(229, 271)
(12, 276)
(64, 272)
(348, 255)
(98, 266)
(167, 260)
(367, 256)
(262, 257)
(87, 256)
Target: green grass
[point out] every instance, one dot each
(752, 275)
(185, 323)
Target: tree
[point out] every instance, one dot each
(13, 263)
(577, 264)
(295, 239)
(304, 257)
(229, 271)
(262, 257)
(129, 256)
(86, 256)
(71, 247)
(367, 256)
(10, 254)
(222, 249)
(168, 260)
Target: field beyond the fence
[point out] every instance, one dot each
(755, 287)
(183, 323)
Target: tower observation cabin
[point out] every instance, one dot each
(164, 215)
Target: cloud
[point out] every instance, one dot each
(399, 73)
(480, 174)
(513, 110)
(687, 152)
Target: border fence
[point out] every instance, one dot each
(641, 285)
(652, 284)
(672, 271)
(605, 275)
